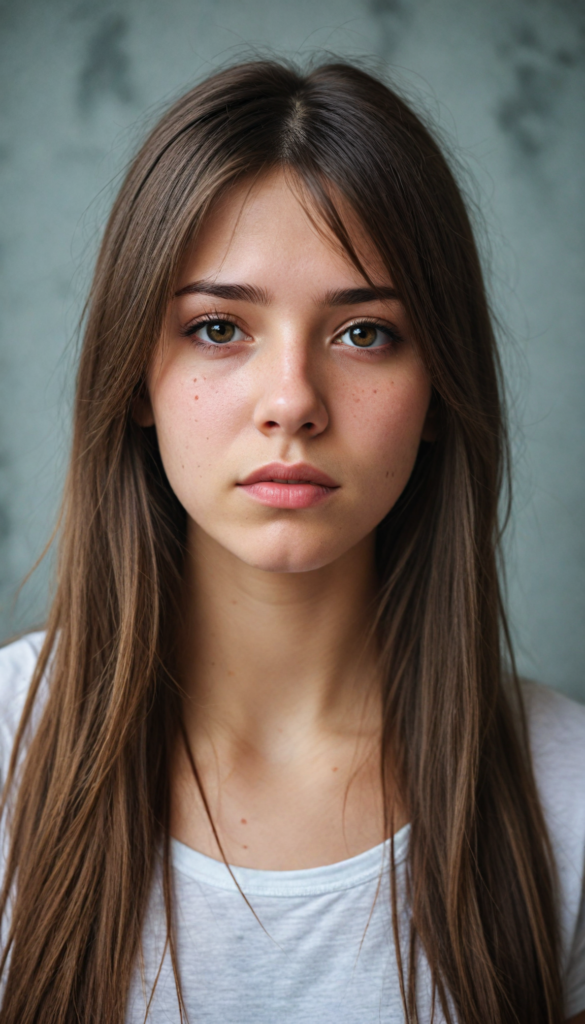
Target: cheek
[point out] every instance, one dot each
(196, 419)
(384, 424)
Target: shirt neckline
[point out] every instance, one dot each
(327, 878)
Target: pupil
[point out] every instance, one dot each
(220, 331)
(363, 335)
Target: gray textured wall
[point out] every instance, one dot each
(505, 81)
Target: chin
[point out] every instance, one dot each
(286, 561)
(288, 554)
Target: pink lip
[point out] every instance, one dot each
(308, 486)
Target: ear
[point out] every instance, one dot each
(142, 413)
(431, 424)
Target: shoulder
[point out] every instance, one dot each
(17, 664)
(556, 728)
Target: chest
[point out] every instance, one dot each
(320, 948)
(282, 816)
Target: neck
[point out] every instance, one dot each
(270, 660)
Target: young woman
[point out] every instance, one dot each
(269, 762)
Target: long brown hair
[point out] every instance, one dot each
(90, 807)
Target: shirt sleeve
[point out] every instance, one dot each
(17, 664)
(557, 733)
(574, 979)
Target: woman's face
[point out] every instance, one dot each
(289, 401)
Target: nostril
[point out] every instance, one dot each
(271, 423)
(308, 426)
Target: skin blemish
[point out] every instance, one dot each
(196, 398)
(230, 673)
(244, 847)
(243, 821)
(334, 769)
(194, 380)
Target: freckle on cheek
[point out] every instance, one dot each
(196, 398)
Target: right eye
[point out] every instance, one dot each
(215, 332)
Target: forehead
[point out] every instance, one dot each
(268, 228)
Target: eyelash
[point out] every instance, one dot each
(191, 329)
(394, 337)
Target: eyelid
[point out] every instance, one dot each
(190, 328)
(193, 325)
(394, 335)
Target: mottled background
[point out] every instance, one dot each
(503, 79)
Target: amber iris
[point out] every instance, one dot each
(363, 334)
(220, 330)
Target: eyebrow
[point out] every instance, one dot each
(235, 292)
(250, 293)
(356, 296)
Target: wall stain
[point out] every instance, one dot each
(5, 523)
(525, 113)
(106, 71)
(392, 17)
(9, 15)
(540, 69)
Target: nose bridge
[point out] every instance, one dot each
(290, 398)
(292, 365)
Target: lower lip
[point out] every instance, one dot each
(287, 495)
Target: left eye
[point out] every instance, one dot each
(218, 332)
(366, 336)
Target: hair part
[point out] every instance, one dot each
(89, 797)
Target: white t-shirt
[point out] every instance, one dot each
(322, 951)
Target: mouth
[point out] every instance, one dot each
(290, 486)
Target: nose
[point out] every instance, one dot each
(290, 402)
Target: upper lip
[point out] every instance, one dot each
(300, 472)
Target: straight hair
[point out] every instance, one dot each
(88, 793)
